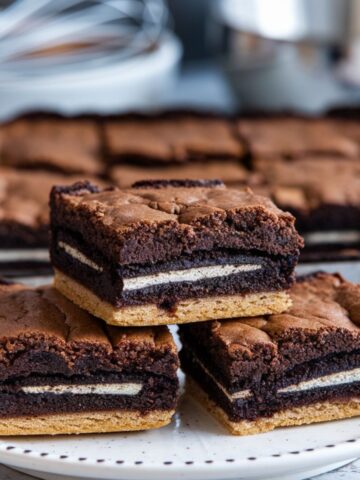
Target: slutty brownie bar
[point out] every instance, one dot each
(62, 371)
(295, 368)
(171, 251)
(323, 195)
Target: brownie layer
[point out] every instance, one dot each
(153, 225)
(264, 402)
(43, 333)
(18, 398)
(196, 355)
(260, 273)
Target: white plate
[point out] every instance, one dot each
(194, 446)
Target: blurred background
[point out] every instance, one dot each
(116, 55)
(111, 57)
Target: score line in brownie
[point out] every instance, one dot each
(295, 368)
(162, 254)
(63, 371)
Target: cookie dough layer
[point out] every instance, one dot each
(185, 311)
(304, 415)
(88, 422)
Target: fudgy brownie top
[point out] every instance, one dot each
(42, 332)
(309, 182)
(155, 224)
(324, 319)
(171, 139)
(231, 173)
(68, 146)
(24, 195)
(296, 137)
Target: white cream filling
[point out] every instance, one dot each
(331, 380)
(93, 389)
(173, 276)
(28, 254)
(242, 394)
(331, 237)
(75, 253)
(189, 275)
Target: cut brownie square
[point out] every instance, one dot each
(171, 251)
(24, 210)
(324, 196)
(62, 371)
(295, 368)
(63, 145)
(172, 138)
(231, 173)
(293, 137)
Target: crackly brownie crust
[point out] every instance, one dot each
(69, 146)
(151, 225)
(318, 336)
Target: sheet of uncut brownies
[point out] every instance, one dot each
(93, 353)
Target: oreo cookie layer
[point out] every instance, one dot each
(217, 272)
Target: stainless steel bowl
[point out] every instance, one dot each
(281, 54)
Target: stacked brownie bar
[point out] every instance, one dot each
(294, 368)
(62, 371)
(171, 251)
